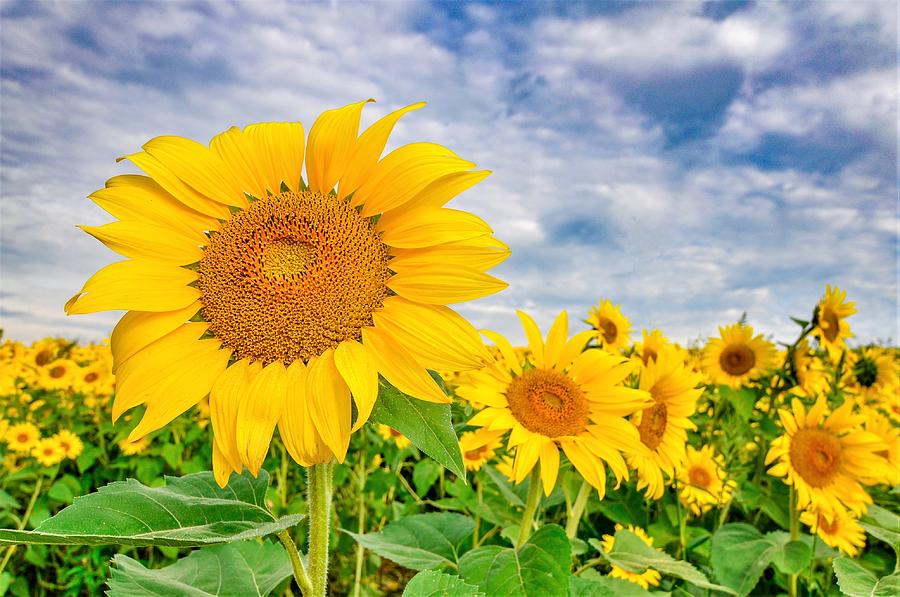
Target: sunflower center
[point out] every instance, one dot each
(22, 438)
(832, 324)
(653, 425)
(700, 477)
(647, 355)
(548, 402)
(292, 276)
(43, 357)
(816, 455)
(866, 372)
(57, 372)
(737, 359)
(828, 527)
(477, 453)
(90, 377)
(609, 329)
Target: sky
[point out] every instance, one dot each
(690, 161)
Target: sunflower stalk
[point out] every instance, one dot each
(319, 503)
(534, 498)
(12, 548)
(584, 492)
(300, 574)
(795, 534)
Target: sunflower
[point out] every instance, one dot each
(610, 326)
(48, 451)
(21, 437)
(130, 448)
(392, 434)
(478, 447)
(869, 374)
(831, 327)
(70, 443)
(839, 530)
(93, 379)
(4, 427)
(812, 378)
(663, 426)
(649, 577)
(826, 459)
(283, 299)
(889, 433)
(650, 345)
(42, 352)
(703, 481)
(737, 356)
(560, 397)
(59, 374)
(505, 468)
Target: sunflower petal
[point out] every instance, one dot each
(506, 351)
(328, 398)
(259, 409)
(444, 284)
(445, 188)
(400, 368)
(279, 151)
(137, 329)
(428, 227)
(225, 399)
(135, 285)
(573, 348)
(298, 432)
(142, 240)
(526, 457)
(556, 339)
(535, 341)
(473, 253)
(361, 376)
(332, 140)
(549, 466)
(177, 187)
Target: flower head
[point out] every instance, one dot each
(610, 326)
(649, 577)
(838, 529)
(21, 437)
(832, 328)
(703, 482)
(737, 356)
(48, 451)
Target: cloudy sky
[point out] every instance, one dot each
(691, 161)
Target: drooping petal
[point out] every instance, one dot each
(360, 374)
(137, 329)
(400, 368)
(535, 341)
(221, 468)
(589, 466)
(549, 466)
(526, 457)
(135, 285)
(444, 284)
(224, 402)
(328, 398)
(332, 140)
(142, 240)
(428, 227)
(260, 408)
(296, 427)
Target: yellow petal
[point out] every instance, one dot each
(143, 240)
(400, 368)
(471, 253)
(549, 466)
(198, 167)
(177, 187)
(368, 149)
(279, 150)
(444, 284)
(260, 408)
(332, 140)
(221, 469)
(526, 457)
(435, 335)
(361, 376)
(137, 329)
(589, 466)
(132, 197)
(573, 348)
(535, 341)
(238, 152)
(328, 399)
(428, 227)
(445, 188)
(508, 353)
(296, 427)
(556, 339)
(135, 285)
(224, 401)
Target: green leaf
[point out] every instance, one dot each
(171, 453)
(504, 486)
(539, 568)
(425, 473)
(61, 492)
(420, 541)
(187, 511)
(742, 400)
(426, 424)
(856, 581)
(8, 502)
(632, 554)
(792, 557)
(740, 554)
(430, 583)
(606, 586)
(882, 524)
(234, 570)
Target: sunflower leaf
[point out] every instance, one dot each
(426, 424)
(740, 555)
(187, 511)
(856, 581)
(882, 524)
(246, 568)
(431, 583)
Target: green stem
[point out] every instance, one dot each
(682, 540)
(479, 494)
(795, 533)
(296, 563)
(584, 492)
(361, 472)
(534, 498)
(24, 521)
(319, 504)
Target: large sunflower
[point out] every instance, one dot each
(663, 426)
(737, 356)
(831, 327)
(610, 326)
(282, 297)
(826, 459)
(560, 397)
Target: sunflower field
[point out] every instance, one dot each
(289, 406)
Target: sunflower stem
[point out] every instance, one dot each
(795, 533)
(584, 492)
(362, 474)
(319, 504)
(534, 497)
(682, 541)
(12, 548)
(296, 563)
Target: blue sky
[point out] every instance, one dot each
(691, 160)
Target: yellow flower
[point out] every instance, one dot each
(284, 299)
(826, 459)
(392, 434)
(505, 468)
(831, 327)
(610, 326)
(649, 577)
(663, 426)
(881, 426)
(870, 374)
(59, 374)
(130, 448)
(70, 443)
(478, 447)
(42, 352)
(48, 451)
(812, 378)
(21, 437)
(839, 530)
(702, 481)
(737, 356)
(651, 345)
(561, 398)
(4, 427)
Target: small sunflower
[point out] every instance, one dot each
(284, 299)
(826, 459)
(21, 437)
(663, 426)
(812, 378)
(650, 345)
(610, 326)
(881, 426)
(70, 443)
(870, 374)
(48, 451)
(478, 447)
(738, 356)
(59, 374)
(649, 577)
(840, 530)
(130, 448)
(703, 482)
(389, 433)
(4, 427)
(42, 352)
(831, 327)
(560, 397)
